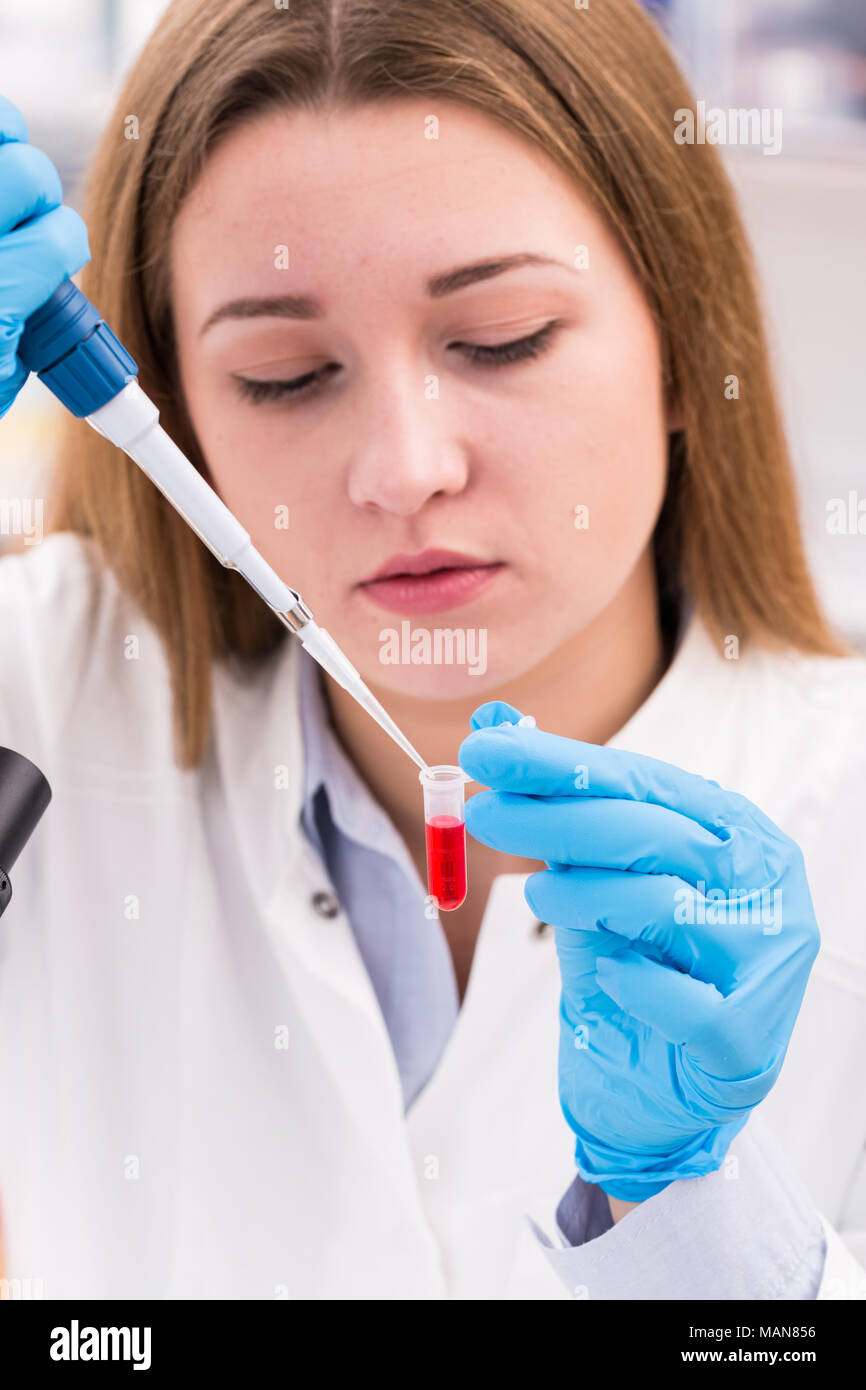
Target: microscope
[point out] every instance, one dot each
(24, 795)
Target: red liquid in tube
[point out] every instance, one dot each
(446, 860)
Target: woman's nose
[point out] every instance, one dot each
(406, 449)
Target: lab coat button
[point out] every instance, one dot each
(325, 904)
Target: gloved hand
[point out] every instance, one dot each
(34, 258)
(678, 999)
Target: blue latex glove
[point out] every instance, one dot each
(39, 255)
(675, 1013)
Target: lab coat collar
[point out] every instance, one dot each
(663, 726)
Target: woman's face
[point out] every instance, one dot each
(315, 249)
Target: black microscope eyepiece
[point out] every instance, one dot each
(24, 795)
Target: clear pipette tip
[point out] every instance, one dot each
(366, 698)
(324, 649)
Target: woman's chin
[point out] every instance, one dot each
(435, 682)
(456, 663)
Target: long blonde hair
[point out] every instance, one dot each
(596, 89)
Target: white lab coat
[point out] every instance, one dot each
(198, 1097)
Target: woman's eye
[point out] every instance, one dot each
(521, 348)
(310, 382)
(257, 391)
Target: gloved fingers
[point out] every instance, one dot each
(494, 712)
(13, 373)
(535, 763)
(744, 1043)
(590, 1022)
(579, 952)
(29, 185)
(674, 1004)
(616, 834)
(658, 909)
(37, 257)
(12, 123)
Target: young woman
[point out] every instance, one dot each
(407, 280)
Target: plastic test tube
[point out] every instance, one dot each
(446, 834)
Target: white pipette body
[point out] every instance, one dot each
(131, 421)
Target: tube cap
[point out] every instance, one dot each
(24, 795)
(72, 349)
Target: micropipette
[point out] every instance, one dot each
(74, 352)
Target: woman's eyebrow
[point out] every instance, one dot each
(272, 306)
(303, 306)
(465, 275)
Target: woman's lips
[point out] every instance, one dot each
(431, 593)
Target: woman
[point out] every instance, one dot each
(402, 280)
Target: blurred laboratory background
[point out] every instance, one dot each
(61, 62)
